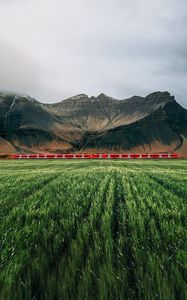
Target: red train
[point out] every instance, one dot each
(95, 156)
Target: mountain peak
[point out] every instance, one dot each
(80, 97)
(6, 96)
(160, 97)
(158, 94)
(104, 96)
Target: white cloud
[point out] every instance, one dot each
(117, 47)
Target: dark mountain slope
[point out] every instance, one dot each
(152, 130)
(26, 123)
(176, 118)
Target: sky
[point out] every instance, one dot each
(55, 49)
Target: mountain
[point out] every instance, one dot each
(155, 123)
(103, 112)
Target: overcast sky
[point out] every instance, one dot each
(54, 49)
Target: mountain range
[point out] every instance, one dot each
(155, 123)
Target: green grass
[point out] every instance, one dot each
(93, 230)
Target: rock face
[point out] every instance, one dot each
(154, 123)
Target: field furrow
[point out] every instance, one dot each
(14, 196)
(82, 247)
(158, 239)
(175, 186)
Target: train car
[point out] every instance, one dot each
(87, 155)
(31, 156)
(60, 156)
(134, 156)
(69, 156)
(155, 156)
(96, 156)
(114, 156)
(125, 156)
(50, 156)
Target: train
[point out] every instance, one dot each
(96, 156)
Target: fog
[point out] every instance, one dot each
(54, 49)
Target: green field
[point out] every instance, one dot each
(93, 230)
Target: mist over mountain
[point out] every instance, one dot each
(155, 123)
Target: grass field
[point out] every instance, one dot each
(93, 230)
